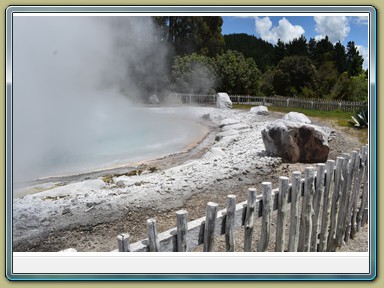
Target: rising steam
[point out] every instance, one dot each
(74, 79)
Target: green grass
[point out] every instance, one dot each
(343, 119)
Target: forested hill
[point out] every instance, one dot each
(259, 50)
(200, 59)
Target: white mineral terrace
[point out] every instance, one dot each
(51, 206)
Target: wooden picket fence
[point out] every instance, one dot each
(328, 206)
(193, 99)
(279, 101)
(313, 104)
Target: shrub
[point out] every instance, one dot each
(361, 118)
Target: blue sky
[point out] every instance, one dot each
(286, 28)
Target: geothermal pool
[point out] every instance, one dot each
(140, 134)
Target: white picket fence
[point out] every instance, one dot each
(279, 101)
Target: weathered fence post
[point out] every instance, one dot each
(340, 232)
(364, 198)
(326, 206)
(295, 213)
(317, 204)
(209, 230)
(350, 218)
(305, 234)
(123, 242)
(230, 224)
(182, 230)
(281, 213)
(266, 217)
(153, 240)
(335, 205)
(249, 219)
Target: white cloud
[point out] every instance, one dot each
(361, 20)
(319, 37)
(285, 31)
(335, 27)
(363, 51)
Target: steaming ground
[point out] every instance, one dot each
(84, 214)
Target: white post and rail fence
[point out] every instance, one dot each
(279, 101)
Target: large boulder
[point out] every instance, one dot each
(296, 142)
(223, 101)
(296, 117)
(260, 110)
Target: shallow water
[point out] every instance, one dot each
(156, 133)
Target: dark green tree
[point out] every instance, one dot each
(360, 88)
(327, 77)
(342, 90)
(237, 74)
(193, 73)
(192, 34)
(354, 60)
(312, 49)
(211, 41)
(266, 87)
(351, 88)
(292, 74)
(322, 52)
(251, 46)
(280, 52)
(340, 58)
(297, 46)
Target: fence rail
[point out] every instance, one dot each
(279, 101)
(324, 211)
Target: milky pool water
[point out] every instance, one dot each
(140, 134)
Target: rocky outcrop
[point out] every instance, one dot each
(296, 141)
(223, 101)
(259, 110)
(231, 127)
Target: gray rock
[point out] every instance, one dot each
(296, 142)
(238, 126)
(120, 183)
(154, 99)
(297, 117)
(206, 116)
(260, 110)
(223, 101)
(228, 121)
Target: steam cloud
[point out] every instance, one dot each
(71, 79)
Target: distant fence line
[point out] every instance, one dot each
(279, 101)
(328, 207)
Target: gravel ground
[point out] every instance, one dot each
(88, 214)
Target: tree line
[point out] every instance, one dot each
(202, 60)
